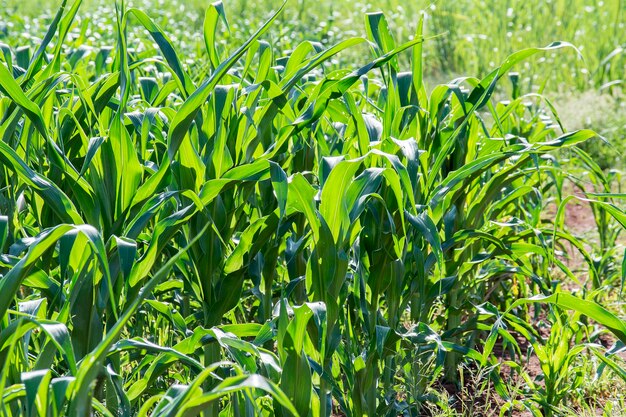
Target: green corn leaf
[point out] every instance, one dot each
(589, 308)
(11, 88)
(187, 112)
(213, 14)
(36, 384)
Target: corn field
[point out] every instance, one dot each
(261, 231)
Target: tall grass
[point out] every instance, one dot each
(271, 236)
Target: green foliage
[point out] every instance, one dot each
(259, 234)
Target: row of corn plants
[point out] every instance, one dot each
(268, 236)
